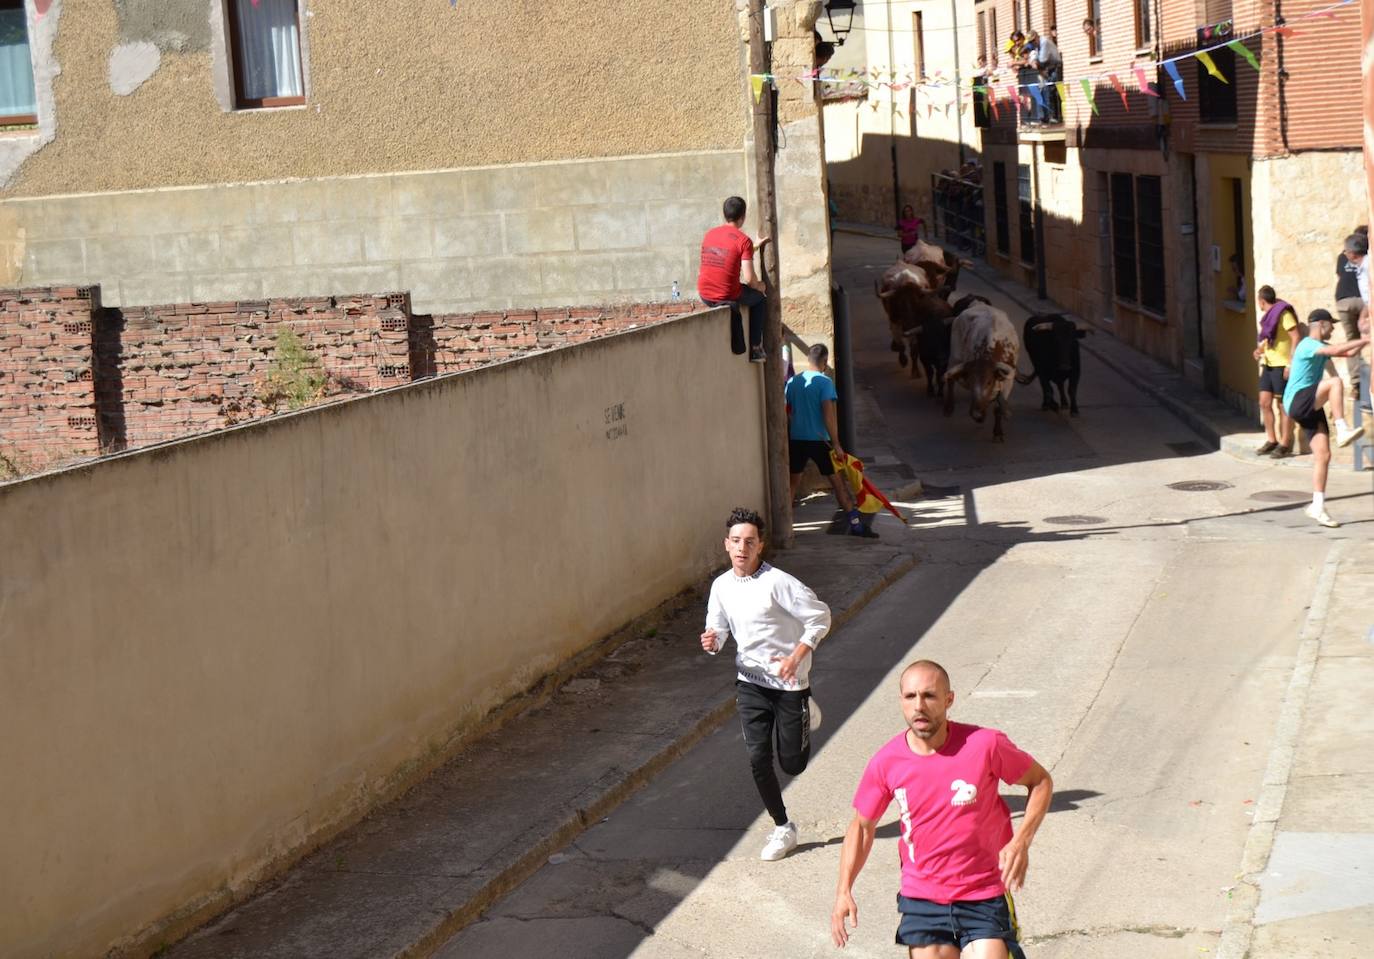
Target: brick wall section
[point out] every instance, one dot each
(47, 390)
(458, 341)
(76, 379)
(186, 368)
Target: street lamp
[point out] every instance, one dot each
(845, 8)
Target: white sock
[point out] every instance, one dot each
(1318, 500)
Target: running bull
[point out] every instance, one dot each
(1052, 344)
(984, 350)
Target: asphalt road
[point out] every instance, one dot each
(1136, 636)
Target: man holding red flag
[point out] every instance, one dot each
(813, 431)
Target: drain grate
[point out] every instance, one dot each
(1188, 448)
(1075, 519)
(1281, 496)
(1199, 486)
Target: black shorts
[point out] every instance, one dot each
(926, 923)
(1306, 413)
(817, 451)
(1271, 380)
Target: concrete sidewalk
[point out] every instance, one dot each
(1306, 887)
(405, 879)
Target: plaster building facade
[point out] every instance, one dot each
(210, 150)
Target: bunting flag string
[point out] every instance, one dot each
(876, 77)
(1090, 94)
(1245, 52)
(1206, 60)
(1120, 88)
(1171, 68)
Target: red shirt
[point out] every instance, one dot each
(722, 251)
(953, 821)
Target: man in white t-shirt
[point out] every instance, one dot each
(776, 622)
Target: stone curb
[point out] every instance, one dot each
(1238, 931)
(614, 794)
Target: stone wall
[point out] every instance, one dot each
(527, 236)
(76, 379)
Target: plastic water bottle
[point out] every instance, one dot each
(677, 293)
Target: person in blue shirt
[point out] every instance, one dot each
(812, 431)
(1307, 392)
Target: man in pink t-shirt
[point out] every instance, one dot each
(960, 859)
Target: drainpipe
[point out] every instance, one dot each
(892, 121)
(958, 80)
(1038, 218)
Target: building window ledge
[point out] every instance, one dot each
(1214, 125)
(1143, 311)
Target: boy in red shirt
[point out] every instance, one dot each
(727, 278)
(959, 857)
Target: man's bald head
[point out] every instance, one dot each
(928, 665)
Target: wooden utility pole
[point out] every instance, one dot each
(774, 371)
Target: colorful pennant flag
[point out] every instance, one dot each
(1205, 59)
(1063, 89)
(756, 82)
(1172, 69)
(1015, 99)
(1121, 89)
(996, 114)
(1146, 87)
(1245, 52)
(1088, 93)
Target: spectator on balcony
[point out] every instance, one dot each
(1049, 65)
(1094, 38)
(1025, 74)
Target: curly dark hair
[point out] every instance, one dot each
(742, 514)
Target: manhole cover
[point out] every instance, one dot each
(1199, 486)
(1188, 448)
(939, 492)
(1075, 520)
(1281, 496)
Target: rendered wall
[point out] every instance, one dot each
(424, 86)
(219, 649)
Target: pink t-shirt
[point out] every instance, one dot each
(953, 821)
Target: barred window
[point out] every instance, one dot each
(999, 195)
(18, 102)
(1123, 236)
(1150, 239)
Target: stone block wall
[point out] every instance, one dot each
(77, 380)
(532, 235)
(47, 388)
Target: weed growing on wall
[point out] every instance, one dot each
(295, 378)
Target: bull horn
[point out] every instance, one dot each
(1004, 370)
(1025, 379)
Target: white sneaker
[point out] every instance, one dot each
(813, 708)
(1344, 437)
(782, 841)
(1321, 516)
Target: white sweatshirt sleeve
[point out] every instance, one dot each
(801, 603)
(715, 619)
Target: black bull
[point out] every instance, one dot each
(1051, 342)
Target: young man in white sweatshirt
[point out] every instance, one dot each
(776, 622)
